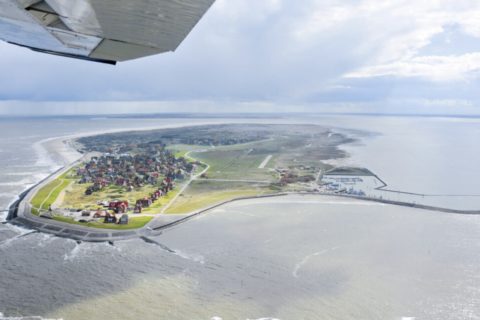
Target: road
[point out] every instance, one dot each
(192, 178)
(234, 180)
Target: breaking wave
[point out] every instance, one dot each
(192, 257)
(2, 317)
(74, 253)
(268, 318)
(305, 260)
(43, 158)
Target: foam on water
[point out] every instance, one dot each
(4, 244)
(20, 230)
(45, 240)
(23, 182)
(43, 158)
(85, 250)
(74, 253)
(7, 195)
(2, 317)
(192, 257)
(305, 260)
(23, 173)
(268, 318)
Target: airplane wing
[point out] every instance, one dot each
(100, 30)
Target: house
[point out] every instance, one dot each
(110, 218)
(100, 214)
(123, 219)
(144, 203)
(118, 206)
(138, 209)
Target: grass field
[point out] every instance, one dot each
(75, 196)
(180, 150)
(155, 208)
(202, 194)
(47, 195)
(235, 164)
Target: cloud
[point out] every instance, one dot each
(435, 68)
(280, 52)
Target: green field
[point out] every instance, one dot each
(47, 195)
(234, 165)
(202, 194)
(180, 150)
(75, 196)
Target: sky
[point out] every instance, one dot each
(391, 56)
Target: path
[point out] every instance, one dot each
(319, 175)
(234, 180)
(265, 162)
(185, 186)
(50, 193)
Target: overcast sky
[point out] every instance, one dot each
(394, 56)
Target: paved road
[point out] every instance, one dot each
(234, 180)
(192, 178)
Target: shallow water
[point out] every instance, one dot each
(289, 258)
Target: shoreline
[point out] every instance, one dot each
(158, 225)
(64, 146)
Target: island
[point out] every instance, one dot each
(134, 184)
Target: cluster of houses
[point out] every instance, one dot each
(133, 171)
(107, 216)
(151, 165)
(167, 185)
(112, 209)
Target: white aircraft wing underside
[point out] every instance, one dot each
(100, 30)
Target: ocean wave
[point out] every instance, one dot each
(7, 195)
(42, 154)
(29, 180)
(45, 240)
(23, 173)
(3, 317)
(16, 183)
(19, 230)
(268, 318)
(305, 260)
(88, 249)
(74, 253)
(192, 257)
(9, 241)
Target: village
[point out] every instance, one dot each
(140, 167)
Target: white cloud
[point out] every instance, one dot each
(280, 51)
(394, 32)
(434, 68)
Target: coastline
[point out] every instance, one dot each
(64, 150)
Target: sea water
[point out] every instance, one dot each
(288, 258)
